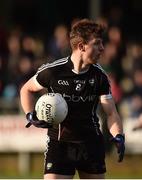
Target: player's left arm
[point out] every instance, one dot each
(115, 125)
(114, 122)
(113, 119)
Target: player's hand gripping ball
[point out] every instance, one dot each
(52, 108)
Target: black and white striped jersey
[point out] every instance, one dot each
(81, 91)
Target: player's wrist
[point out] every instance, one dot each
(30, 115)
(120, 137)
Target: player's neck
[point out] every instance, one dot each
(78, 63)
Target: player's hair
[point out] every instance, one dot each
(83, 30)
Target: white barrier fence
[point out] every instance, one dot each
(15, 137)
(133, 138)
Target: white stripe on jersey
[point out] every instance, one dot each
(36, 82)
(106, 96)
(53, 64)
(100, 67)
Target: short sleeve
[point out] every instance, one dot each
(105, 88)
(43, 77)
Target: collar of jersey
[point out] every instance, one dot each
(81, 72)
(74, 71)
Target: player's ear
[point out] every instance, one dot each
(81, 46)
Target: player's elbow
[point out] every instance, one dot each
(30, 87)
(23, 89)
(27, 87)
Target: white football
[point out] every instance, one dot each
(52, 108)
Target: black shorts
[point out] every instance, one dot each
(66, 157)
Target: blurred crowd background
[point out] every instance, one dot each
(34, 32)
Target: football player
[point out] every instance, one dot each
(77, 143)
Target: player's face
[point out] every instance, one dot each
(93, 50)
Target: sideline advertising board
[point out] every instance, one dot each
(15, 137)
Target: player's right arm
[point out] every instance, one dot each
(27, 94)
(28, 102)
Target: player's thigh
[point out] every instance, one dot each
(57, 176)
(84, 175)
(57, 161)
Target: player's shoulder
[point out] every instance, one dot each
(99, 68)
(53, 64)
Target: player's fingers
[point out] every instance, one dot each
(120, 159)
(28, 125)
(121, 155)
(113, 140)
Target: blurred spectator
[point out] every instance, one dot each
(39, 50)
(24, 72)
(115, 89)
(39, 61)
(138, 125)
(59, 46)
(28, 44)
(116, 16)
(108, 63)
(130, 63)
(114, 36)
(103, 21)
(14, 52)
(113, 53)
(110, 53)
(136, 106)
(24, 54)
(133, 100)
(2, 74)
(32, 45)
(133, 53)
